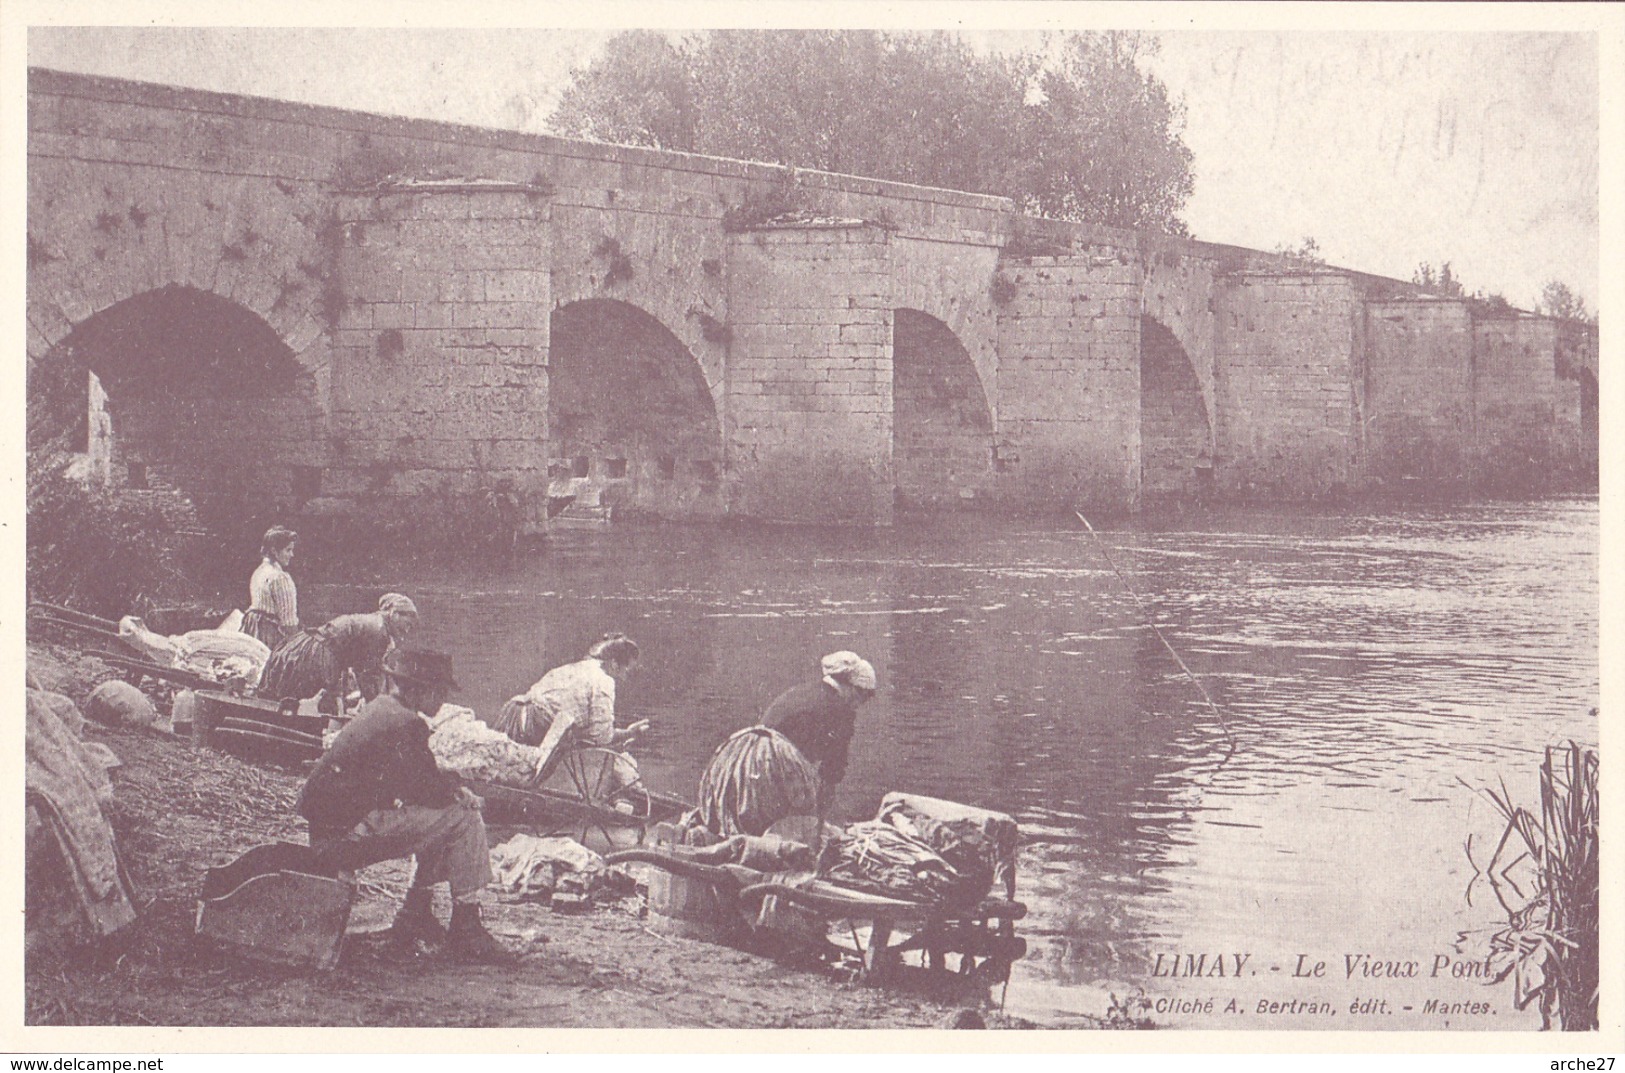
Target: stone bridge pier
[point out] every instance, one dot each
(318, 311)
(439, 366)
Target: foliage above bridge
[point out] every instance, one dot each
(1077, 132)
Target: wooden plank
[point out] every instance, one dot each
(292, 737)
(269, 713)
(258, 743)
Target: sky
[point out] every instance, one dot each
(1387, 148)
(1394, 149)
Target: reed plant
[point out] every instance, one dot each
(1548, 947)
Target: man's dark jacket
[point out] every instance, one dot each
(380, 758)
(820, 723)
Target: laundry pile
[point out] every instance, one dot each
(876, 857)
(463, 744)
(978, 844)
(221, 655)
(926, 849)
(534, 868)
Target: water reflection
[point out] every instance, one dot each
(1367, 666)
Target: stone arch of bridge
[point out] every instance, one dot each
(669, 267)
(942, 427)
(1176, 429)
(183, 398)
(1178, 292)
(632, 423)
(955, 294)
(101, 234)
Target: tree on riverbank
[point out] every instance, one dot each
(1558, 300)
(89, 550)
(1077, 131)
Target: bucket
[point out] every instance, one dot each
(687, 908)
(183, 712)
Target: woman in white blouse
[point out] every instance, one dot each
(273, 607)
(576, 703)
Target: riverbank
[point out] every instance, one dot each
(179, 809)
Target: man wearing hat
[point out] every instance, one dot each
(377, 794)
(819, 717)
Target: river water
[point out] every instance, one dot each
(1372, 670)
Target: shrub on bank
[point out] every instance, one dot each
(88, 550)
(442, 521)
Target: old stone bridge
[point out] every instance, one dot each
(324, 309)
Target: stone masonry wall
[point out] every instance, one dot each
(665, 256)
(1516, 399)
(421, 319)
(125, 201)
(1575, 416)
(237, 167)
(1176, 444)
(631, 420)
(809, 391)
(1285, 393)
(945, 391)
(1179, 295)
(440, 367)
(1568, 429)
(952, 282)
(212, 454)
(1069, 381)
(1419, 421)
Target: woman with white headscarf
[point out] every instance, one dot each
(819, 717)
(315, 660)
(789, 763)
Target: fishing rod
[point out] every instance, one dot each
(1224, 724)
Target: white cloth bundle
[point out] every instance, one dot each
(461, 743)
(216, 654)
(529, 866)
(220, 655)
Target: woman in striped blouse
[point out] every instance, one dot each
(273, 609)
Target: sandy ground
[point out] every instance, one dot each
(180, 809)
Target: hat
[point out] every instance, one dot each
(394, 601)
(850, 667)
(421, 666)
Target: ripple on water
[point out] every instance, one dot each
(1367, 666)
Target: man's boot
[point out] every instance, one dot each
(415, 921)
(469, 939)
